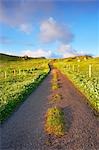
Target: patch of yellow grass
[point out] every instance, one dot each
(55, 123)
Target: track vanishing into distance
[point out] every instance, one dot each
(24, 130)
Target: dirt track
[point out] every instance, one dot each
(24, 129)
(83, 126)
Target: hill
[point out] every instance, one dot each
(79, 58)
(6, 57)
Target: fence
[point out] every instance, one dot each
(16, 72)
(88, 74)
(77, 68)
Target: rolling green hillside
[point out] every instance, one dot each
(5, 57)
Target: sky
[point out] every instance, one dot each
(49, 28)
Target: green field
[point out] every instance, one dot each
(19, 76)
(84, 73)
(17, 81)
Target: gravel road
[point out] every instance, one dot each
(83, 127)
(24, 129)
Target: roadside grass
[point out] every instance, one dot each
(18, 79)
(55, 123)
(55, 76)
(55, 86)
(78, 73)
(19, 95)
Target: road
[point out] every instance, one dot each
(24, 130)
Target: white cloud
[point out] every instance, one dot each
(16, 12)
(51, 31)
(63, 48)
(37, 53)
(67, 51)
(26, 28)
(69, 54)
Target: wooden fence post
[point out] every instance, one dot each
(5, 75)
(14, 72)
(73, 68)
(19, 72)
(78, 68)
(69, 66)
(24, 72)
(90, 71)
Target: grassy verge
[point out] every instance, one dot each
(81, 86)
(78, 73)
(55, 84)
(18, 97)
(55, 123)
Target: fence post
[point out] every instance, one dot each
(24, 72)
(78, 68)
(19, 72)
(69, 66)
(14, 72)
(73, 68)
(5, 75)
(90, 71)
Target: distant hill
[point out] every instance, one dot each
(6, 57)
(97, 57)
(79, 58)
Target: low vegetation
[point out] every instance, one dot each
(55, 84)
(84, 73)
(17, 81)
(19, 76)
(55, 124)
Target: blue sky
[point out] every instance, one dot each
(51, 28)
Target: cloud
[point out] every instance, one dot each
(26, 28)
(37, 53)
(17, 12)
(67, 51)
(51, 31)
